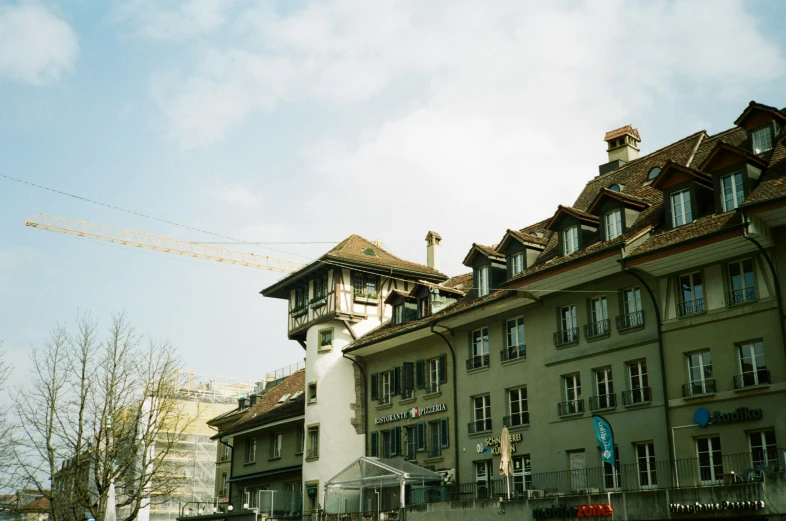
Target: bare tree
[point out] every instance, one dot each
(6, 426)
(100, 412)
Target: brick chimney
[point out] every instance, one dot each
(622, 145)
(432, 250)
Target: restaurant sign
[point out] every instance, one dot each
(699, 508)
(415, 412)
(492, 444)
(703, 417)
(570, 511)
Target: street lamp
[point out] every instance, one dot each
(184, 510)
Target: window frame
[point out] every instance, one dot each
(570, 239)
(312, 442)
(759, 373)
(604, 391)
(250, 452)
(482, 283)
(744, 293)
(765, 129)
(364, 280)
(735, 193)
(517, 262)
(482, 404)
(321, 334)
(769, 451)
(522, 479)
(516, 347)
(276, 445)
(684, 214)
(714, 454)
(522, 403)
(697, 304)
(705, 382)
(639, 382)
(618, 228)
(650, 465)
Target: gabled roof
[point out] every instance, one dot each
(528, 240)
(581, 215)
(754, 107)
(627, 130)
(723, 147)
(355, 251)
(626, 200)
(398, 293)
(267, 409)
(486, 251)
(671, 168)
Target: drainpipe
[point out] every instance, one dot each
(231, 467)
(365, 402)
(774, 280)
(669, 432)
(455, 395)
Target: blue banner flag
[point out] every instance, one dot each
(605, 438)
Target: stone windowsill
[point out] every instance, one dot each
(406, 401)
(431, 396)
(384, 406)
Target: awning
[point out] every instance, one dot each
(294, 468)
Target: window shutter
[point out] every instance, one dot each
(395, 385)
(374, 386)
(420, 374)
(408, 377)
(374, 441)
(420, 434)
(443, 369)
(444, 436)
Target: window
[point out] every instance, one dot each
(436, 373)
(251, 498)
(691, 294)
(522, 473)
(516, 347)
(313, 443)
(481, 408)
(320, 288)
(423, 308)
(764, 451)
(326, 339)
(435, 442)
(570, 240)
(632, 313)
(732, 192)
(599, 319)
(753, 369)
(572, 387)
(301, 298)
(653, 173)
(611, 473)
(519, 410)
(398, 314)
(482, 283)
(385, 444)
(516, 263)
(708, 451)
(699, 374)
(613, 220)
(312, 392)
(604, 390)
(645, 461)
(364, 285)
(226, 453)
(742, 287)
(479, 357)
(483, 475)
(762, 140)
(384, 395)
(276, 440)
(569, 331)
(639, 391)
(300, 441)
(251, 450)
(681, 212)
(224, 484)
(412, 443)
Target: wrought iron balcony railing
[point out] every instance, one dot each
(513, 353)
(597, 329)
(570, 407)
(516, 420)
(691, 307)
(706, 386)
(565, 337)
(482, 425)
(637, 396)
(477, 361)
(740, 296)
(604, 401)
(752, 379)
(630, 320)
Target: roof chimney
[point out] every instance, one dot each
(432, 250)
(622, 146)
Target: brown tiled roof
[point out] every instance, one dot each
(627, 199)
(488, 251)
(574, 212)
(527, 237)
(398, 293)
(627, 130)
(772, 184)
(356, 248)
(704, 225)
(267, 409)
(779, 114)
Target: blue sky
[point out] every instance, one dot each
(309, 121)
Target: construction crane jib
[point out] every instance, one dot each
(159, 243)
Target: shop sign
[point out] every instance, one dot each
(570, 511)
(703, 417)
(492, 445)
(699, 508)
(414, 412)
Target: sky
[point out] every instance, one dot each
(296, 124)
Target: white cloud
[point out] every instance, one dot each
(36, 45)
(172, 20)
(238, 195)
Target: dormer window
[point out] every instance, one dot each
(423, 307)
(398, 314)
(570, 240)
(681, 211)
(733, 191)
(482, 281)
(761, 139)
(516, 263)
(613, 222)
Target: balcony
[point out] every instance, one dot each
(630, 321)
(477, 361)
(481, 425)
(604, 401)
(565, 337)
(637, 396)
(513, 353)
(571, 407)
(706, 386)
(740, 296)
(516, 420)
(752, 379)
(597, 329)
(691, 307)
